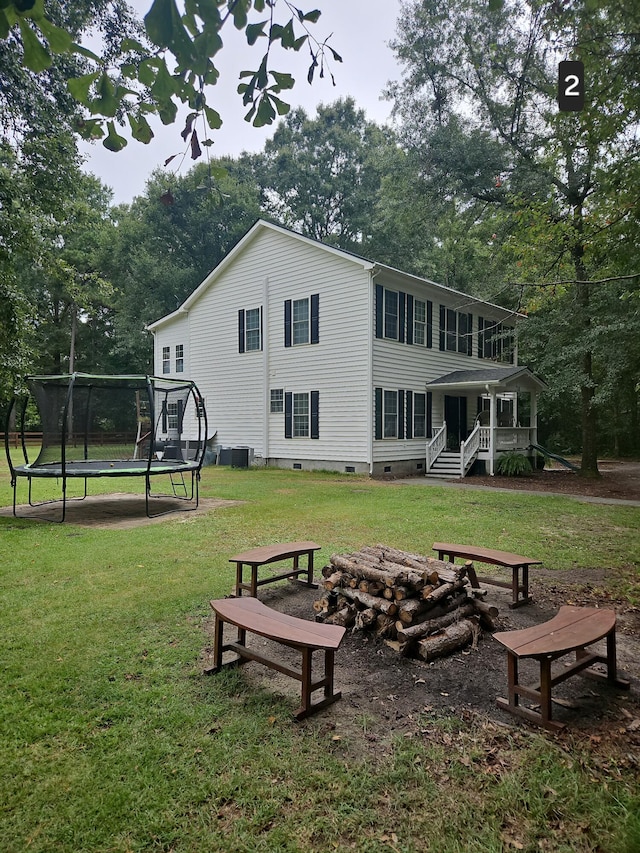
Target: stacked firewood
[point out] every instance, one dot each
(419, 605)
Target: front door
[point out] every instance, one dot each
(455, 415)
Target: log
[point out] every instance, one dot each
(411, 633)
(362, 569)
(390, 608)
(334, 580)
(423, 621)
(385, 627)
(444, 590)
(365, 618)
(345, 617)
(411, 608)
(451, 639)
(400, 593)
(487, 614)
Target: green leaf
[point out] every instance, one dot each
(266, 113)
(239, 12)
(312, 16)
(129, 44)
(140, 129)
(106, 103)
(59, 39)
(80, 86)
(36, 56)
(254, 31)
(158, 22)
(284, 81)
(282, 106)
(83, 51)
(214, 119)
(113, 141)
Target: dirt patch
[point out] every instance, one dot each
(385, 694)
(618, 480)
(117, 511)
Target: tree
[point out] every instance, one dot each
(322, 175)
(170, 62)
(487, 73)
(168, 240)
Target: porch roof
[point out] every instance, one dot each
(489, 379)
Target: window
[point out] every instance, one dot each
(250, 330)
(420, 322)
(166, 359)
(301, 414)
(200, 409)
(419, 415)
(391, 314)
(456, 329)
(495, 341)
(277, 400)
(179, 358)
(301, 321)
(390, 414)
(172, 415)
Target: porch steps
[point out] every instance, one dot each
(446, 466)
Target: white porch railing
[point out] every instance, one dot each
(436, 446)
(506, 438)
(469, 449)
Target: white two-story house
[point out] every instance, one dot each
(316, 358)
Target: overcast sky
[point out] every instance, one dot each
(361, 30)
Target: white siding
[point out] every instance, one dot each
(236, 386)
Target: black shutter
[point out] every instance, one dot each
(429, 416)
(470, 334)
(401, 317)
(409, 428)
(288, 415)
(480, 337)
(378, 413)
(379, 310)
(180, 415)
(400, 414)
(409, 318)
(315, 400)
(240, 331)
(261, 329)
(429, 324)
(315, 318)
(443, 325)
(164, 415)
(287, 323)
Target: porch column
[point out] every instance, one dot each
(533, 434)
(493, 420)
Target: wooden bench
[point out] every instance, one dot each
(516, 562)
(572, 629)
(250, 614)
(257, 557)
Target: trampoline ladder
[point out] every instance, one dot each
(178, 484)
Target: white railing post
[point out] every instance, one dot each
(435, 447)
(469, 450)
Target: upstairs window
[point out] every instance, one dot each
(179, 358)
(250, 329)
(456, 331)
(166, 359)
(391, 314)
(495, 341)
(302, 321)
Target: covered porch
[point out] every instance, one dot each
(479, 415)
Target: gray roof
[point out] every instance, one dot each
(486, 376)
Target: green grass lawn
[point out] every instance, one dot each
(112, 740)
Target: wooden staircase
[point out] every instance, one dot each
(446, 466)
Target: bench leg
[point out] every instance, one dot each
(543, 695)
(307, 707)
(519, 586)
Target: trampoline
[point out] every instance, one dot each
(112, 426)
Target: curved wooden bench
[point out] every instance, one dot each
(265, 554)
(250, 614)
(572, 629)
(516, 562)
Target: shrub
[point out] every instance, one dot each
(513, 465)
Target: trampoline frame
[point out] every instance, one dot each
(85, 469)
